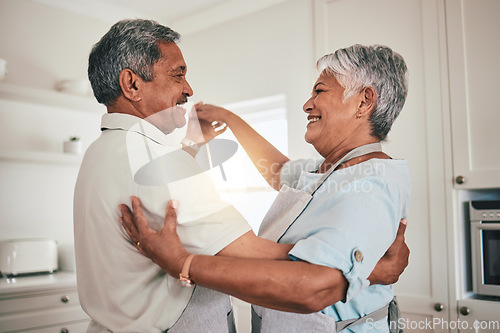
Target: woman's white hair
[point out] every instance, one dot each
(358, 67)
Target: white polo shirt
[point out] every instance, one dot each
(118, 287)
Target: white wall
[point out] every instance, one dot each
(42, 45)
(266, 53)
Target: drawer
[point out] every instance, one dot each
(75, 327)
(55, 300)
(28, 321)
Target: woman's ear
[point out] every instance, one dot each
(130, 84)
(367, 102)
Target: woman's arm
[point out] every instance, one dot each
(267, 159)
(251, 246)
(198, 132)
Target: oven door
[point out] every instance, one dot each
(486, 257)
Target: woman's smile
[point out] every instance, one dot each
(313, 119)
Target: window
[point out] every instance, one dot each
(243, 186)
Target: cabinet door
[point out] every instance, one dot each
(25, 320)
(411, 28)
(476, 316)
(75, 327)
(473, 30)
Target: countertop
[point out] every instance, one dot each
(37, 283)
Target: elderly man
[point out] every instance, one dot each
(138, 71)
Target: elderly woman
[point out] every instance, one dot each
(340, 212)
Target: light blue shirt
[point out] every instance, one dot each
(349, 224)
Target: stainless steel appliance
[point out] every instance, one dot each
(485, 246)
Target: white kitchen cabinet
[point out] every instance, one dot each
(478, 316)
(473, 30)
(46, 303)
(414, 29)
(471, 309)
(80, 326)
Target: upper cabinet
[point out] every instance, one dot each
(473, 30)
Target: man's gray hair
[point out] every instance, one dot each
(132, 44)
(358, 67)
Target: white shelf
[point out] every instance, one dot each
(33, 156)
(47, 97)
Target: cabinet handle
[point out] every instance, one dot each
(438, 307)
(464, 310)
(64, 330)
(65, 299)
(460, 179)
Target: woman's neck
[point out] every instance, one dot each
(341, 150)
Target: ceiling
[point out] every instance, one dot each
(186, 16)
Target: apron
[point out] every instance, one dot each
(208, 311)
(287, 206)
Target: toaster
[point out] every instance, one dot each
(28, 256)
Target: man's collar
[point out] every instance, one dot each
(128, 122)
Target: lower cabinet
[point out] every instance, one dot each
(80, 327)
(54, 311)
(478, 316)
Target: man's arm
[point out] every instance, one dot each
(278, 284)
(390, 267)
(387, 270)
(282, 285)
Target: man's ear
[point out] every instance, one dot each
(130, 84)
(367, 102)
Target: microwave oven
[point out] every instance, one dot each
(485, 246)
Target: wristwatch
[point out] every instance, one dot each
(184, 278)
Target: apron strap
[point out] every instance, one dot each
(290, 203)
(375, 316)
(356, 152)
